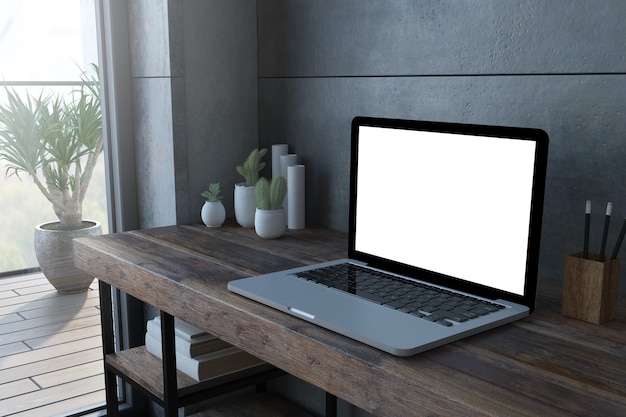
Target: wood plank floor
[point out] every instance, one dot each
(50, 348)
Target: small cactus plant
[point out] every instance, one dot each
(212, 194)
(251, 166)
(270, 196)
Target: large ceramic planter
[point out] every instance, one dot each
(55, 253)
(270, 224)
(213, 213)
(245, 205)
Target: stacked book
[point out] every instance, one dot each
(199, 355)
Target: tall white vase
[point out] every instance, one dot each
(245, 205)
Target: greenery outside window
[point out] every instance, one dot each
(43, 47)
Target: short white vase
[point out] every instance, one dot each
(213, 213)
(245, 205)
(270, 224)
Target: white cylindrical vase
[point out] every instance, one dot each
(277, 151)
(245, 205)
(285, 161)
(295, 197)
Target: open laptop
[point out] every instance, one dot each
(444, 233)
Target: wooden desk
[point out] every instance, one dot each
(545, 365)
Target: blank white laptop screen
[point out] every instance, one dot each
(454, 204)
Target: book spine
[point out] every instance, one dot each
(184, 329)
(184, 364)
(209, 365)
(189, 348)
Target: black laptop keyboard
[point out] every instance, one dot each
(421, 300)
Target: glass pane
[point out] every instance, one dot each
(44, 46)
(43, 40)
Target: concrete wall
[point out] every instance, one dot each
(559, 66)
(194, 69)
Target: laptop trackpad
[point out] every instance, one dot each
(363, 320)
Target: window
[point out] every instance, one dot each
(76, 33)
(44, 46)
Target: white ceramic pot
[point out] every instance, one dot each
(213, 213)
(245, 205)
(270, 224)
(55, 253)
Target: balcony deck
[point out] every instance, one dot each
(50, 348)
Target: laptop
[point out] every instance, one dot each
(443, 240)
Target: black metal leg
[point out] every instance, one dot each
(108, 346)
(331, 405)
(170, 384)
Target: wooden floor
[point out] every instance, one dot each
(50, 348)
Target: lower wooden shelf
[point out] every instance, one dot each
(146, 371)
(259, 405)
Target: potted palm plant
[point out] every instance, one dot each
(56, 141)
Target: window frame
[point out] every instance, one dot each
(118, 132)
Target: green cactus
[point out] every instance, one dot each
(212, 194)
(251, 166)
(270, 196)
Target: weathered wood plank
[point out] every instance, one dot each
(91, 303)
(37, 355)
(7, 294)
(221, 251)
(73, 373)
(61, 407)
(62, 316)
(543, 365)
(55, 357)
(302, 246)
(22, 281)
(65, 337)
(146, 369)
(36, 301)
(50, 395)
(49, 327)
(37, 368)
(10, 318)
(36, 289)
(15, 388)
(259, 405)
(13, 348)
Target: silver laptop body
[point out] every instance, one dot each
(442, 206)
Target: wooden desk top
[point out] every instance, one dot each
(545, 365)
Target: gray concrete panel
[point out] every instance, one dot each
(408, 37)
(221, 94)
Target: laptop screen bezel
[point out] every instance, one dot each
(536, 211)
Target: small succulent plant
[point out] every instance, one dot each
(270, 195)
(212, 195)
(251, 166)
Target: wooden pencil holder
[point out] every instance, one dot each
(590, 288)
